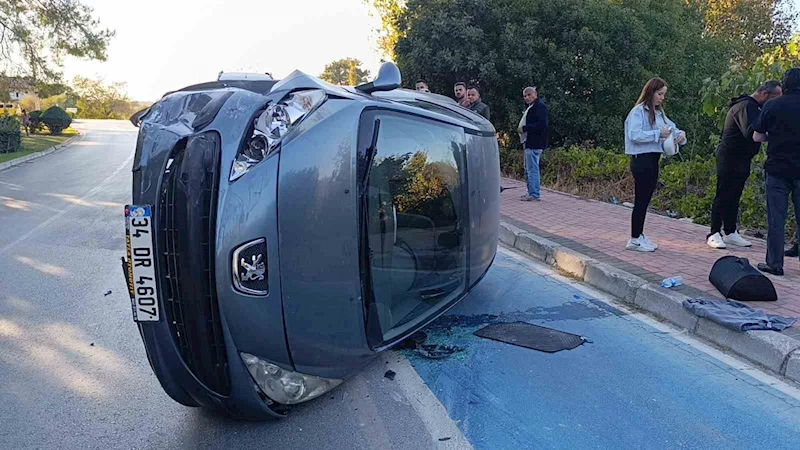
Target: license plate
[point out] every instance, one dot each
(141, 263)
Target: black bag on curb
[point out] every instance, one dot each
(735, 278)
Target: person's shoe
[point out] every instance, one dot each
(736, 239)
(526, 198)
(647, 241)
(639, 245)
(792, 252)
(777, 271)
(716, 241)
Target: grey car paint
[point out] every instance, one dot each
(303, 200)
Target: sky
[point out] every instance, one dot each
(163, 45)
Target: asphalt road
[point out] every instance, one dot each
(73, 372)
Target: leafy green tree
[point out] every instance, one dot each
(589, 58)
(36, 34)
(749, 26)
(50, 89)
(345, 71)
(744, 80)
(99, 100)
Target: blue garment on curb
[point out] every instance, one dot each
(737, 316)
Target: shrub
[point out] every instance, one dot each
(686, 187)
(512, 164)
(10, 135)
(36, 121)
(56, 120)
(596, 173)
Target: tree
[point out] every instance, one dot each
(98, 100)
(749, 26)
(771, 65)
(36, 34)
(589, 58)
(50, 89)
(345, 71)
(29, 103)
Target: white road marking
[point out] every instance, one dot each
(679, 334)
(432, 413)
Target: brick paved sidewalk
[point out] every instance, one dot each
(600, 231)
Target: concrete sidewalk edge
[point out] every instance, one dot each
(776, 352)
(37, 155)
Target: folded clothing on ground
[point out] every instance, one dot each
(737, 316)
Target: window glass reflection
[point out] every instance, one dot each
(416, 220)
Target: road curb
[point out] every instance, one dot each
(618, 283)
(37, 155)
(770, 349)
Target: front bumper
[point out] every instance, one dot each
(191, 350)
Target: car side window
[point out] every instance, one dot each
(415, 220)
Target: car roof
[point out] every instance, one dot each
(431, 105)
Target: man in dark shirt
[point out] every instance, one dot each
(533, 135)
(474, 96)
(779, 124)
(734, 156)
(460, 91)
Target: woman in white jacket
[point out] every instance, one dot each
(646, 128)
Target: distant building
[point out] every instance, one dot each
(19, 88)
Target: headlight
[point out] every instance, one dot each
(272, 125)
(284, 386)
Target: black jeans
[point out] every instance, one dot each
(645, 175)
(732, 174)
(778, 191)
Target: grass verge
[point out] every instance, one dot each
(37, 143)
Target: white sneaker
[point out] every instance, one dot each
(736, 239)
(639, 245)
(716, 241)
(647, 241)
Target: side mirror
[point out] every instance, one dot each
(388, 79)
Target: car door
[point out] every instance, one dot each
(415, 216)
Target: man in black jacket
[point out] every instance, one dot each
(533, 135)
(778, 124)
(475, 103)
(734, 155)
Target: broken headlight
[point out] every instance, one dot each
(272, 125)
(285, 386)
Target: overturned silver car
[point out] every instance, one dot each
(283, 233)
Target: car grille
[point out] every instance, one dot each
(187, 227)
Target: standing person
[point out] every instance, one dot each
(646, 128)
(475, 103)
(421, 85)
(460, 91)
(26, 122)
(779, 124)
(734, 155)
(532, 130)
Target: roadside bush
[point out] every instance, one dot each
(512, 164)
(36, 121)
(10, 135)
(56, 120)
(686, 187)
(596, 173)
